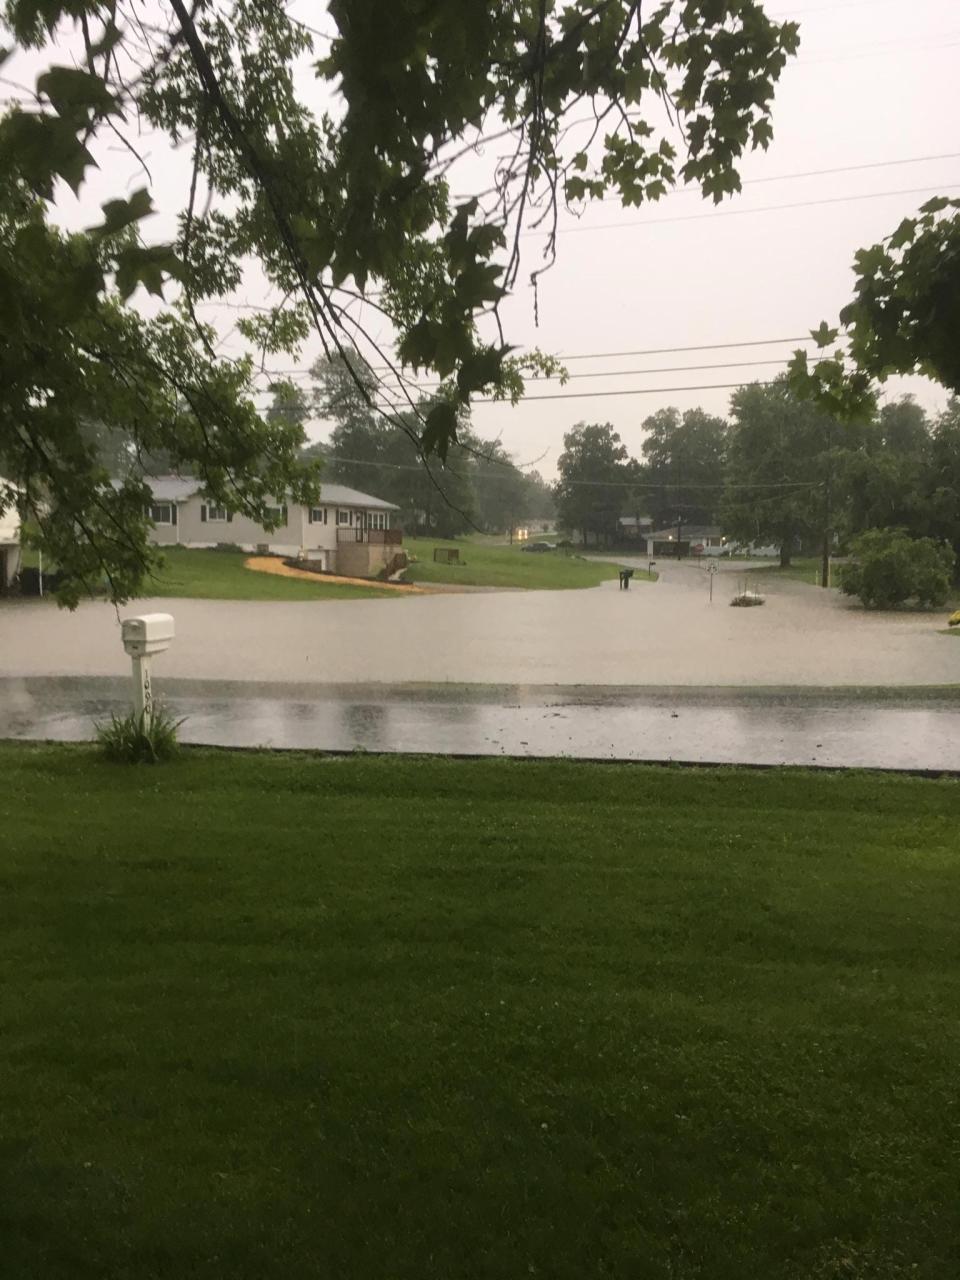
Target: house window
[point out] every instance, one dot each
(344, 517)
(163, 513)
(376, 520)
(215, 514)
(318, 515)
(276, 515)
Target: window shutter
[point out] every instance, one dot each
(324, 515)
(173, 513)
(203, 513)
(229, 517)
(284, 510)
(309, 515)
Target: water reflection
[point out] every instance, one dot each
(661, 726)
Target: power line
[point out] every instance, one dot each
(618, 355)
(637, 391)
(739, 213)
(651, 486)
(817, 173)
(666, 351)
(624, 373)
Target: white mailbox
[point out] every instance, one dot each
(150, 633)
(143, 637)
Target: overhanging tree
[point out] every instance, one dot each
(904, 317)
(350, 203)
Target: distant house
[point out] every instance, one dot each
(634, 528)
(347, 532)
(9, 538)
(705, 540)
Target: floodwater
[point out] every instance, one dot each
(658, 672)
(664, 633)
(801, 726)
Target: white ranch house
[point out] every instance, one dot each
(698, 539)
(347, 532)
(9, 537)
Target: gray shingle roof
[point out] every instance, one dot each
(689, 532)
(180, 488)
(172, 488)
(344, 496)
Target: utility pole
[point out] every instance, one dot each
(827, 516)
(676, 467)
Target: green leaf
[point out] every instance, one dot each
(480, 369)
(121, 213)
(147, 266)
(418, 347)
(936, 205)
(42, 146)
(112, 35)
(440, 430)
(903, 234)
(824, 335)
(71, 89)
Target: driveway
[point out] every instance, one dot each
(666, 633)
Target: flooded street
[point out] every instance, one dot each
(664, 633)
(654, 673)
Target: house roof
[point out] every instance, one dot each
(347, 497)
(688, 532)
(172, 488)
(180, 488)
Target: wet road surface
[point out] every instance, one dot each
(909, 730)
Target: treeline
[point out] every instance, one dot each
(779, 471)
(479, 486)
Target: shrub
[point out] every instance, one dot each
(139, 738)
(891, 568)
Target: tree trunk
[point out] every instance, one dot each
(786, 551)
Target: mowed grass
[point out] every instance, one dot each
(493, 566)
(802, 569)
(222, 575)
(272, 1016)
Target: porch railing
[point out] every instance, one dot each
(375, 537)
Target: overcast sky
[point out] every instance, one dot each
(875, 82)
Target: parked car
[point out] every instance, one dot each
(539, 546)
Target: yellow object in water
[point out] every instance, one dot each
(954, 619)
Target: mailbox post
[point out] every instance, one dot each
(143, 637)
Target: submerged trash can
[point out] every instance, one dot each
(625, 576)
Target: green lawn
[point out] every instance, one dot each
(492, 566)
(273, 1016)
(221, 575)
